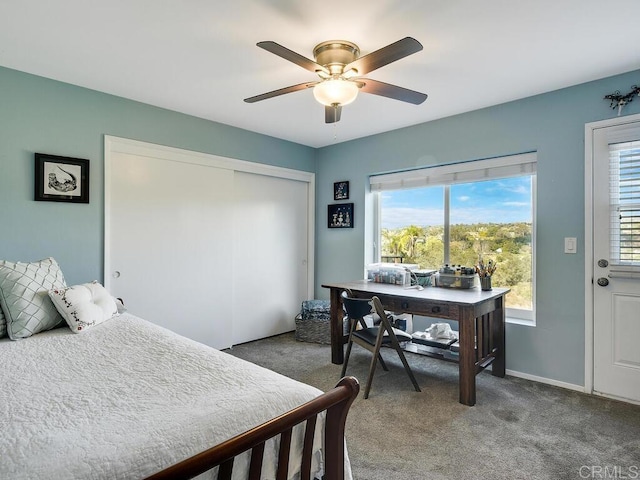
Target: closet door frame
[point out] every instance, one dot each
(114, 144)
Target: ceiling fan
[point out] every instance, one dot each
(339, 66)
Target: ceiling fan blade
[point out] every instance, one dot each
(292, 56)
(280, 91)
(391, 91)
(332, 113)
(384, 56)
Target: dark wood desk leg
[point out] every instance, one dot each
(467, 366)
(498, 365)
(337, 334)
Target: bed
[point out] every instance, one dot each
(129, 399)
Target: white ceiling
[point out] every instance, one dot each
(200, 57)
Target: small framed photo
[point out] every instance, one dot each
(341, 191)
(61, 179)
(340, 215)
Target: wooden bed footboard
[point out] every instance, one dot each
(336, 402)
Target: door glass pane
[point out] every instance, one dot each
(624, 186)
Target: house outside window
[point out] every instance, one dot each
(456, 214)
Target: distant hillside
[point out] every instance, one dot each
(508, 244)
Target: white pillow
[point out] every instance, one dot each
(84, 306)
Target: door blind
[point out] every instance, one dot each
(624, 185)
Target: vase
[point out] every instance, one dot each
(485, 283)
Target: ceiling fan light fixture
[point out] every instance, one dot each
(335, 91)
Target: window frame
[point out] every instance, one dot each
(464, 172)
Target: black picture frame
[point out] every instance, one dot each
(340, 215)
(341, 190)
(61, 179)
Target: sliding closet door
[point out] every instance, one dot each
(216, 249)
(270, 254)
(168, 241)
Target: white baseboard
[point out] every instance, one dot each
(619, 399)
(569, 386)
(548, 381)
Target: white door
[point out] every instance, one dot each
(270, 254)
(168, 242)
(616, 261)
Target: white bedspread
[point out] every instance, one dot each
(126, 399)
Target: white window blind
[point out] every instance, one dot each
(463, 172)
(624, 187)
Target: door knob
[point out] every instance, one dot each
(116, 274)
(603, 263)
(603, 282)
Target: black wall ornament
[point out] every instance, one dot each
(618, 100)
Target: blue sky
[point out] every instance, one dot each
(505, 200)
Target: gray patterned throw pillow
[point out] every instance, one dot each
(24, 296)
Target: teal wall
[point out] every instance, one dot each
(41, 115)
(551, 124)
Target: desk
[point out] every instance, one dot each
(480, 316)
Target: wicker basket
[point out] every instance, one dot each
(313, 322)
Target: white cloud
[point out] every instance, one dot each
(521, 189)
(396, 217)
(509, 187)
(470, 216)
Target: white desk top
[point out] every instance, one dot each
(469, 296)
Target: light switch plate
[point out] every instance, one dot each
(570, 245)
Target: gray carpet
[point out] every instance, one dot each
(517, 430)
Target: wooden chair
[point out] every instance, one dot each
(372, 338)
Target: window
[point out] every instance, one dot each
(453, 214)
